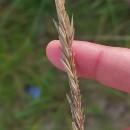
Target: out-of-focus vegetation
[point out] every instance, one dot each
(25, 29)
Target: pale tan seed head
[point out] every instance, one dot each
(65, 28)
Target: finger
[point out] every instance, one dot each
(108, 65)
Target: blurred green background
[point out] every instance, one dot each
(25, 29)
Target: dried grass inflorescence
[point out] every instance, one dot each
(65, 28)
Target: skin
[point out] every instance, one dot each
(108, 65)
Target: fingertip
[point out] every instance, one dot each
(80, 48)
(54, 54)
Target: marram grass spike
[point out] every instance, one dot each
(65, 28)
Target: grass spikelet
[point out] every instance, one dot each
(65, 28)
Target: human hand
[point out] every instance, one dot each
(108, 65)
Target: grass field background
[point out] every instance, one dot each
(25, 29)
